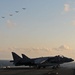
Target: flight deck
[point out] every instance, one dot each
(33, 71)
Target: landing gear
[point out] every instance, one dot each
(55, 67)
(38, 67)
(44, 66)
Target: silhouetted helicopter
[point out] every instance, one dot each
(23, 8)
(10, 14)
(3, 17)
(16, 11)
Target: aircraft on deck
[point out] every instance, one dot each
(41, 61)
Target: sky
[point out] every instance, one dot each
(44, 28)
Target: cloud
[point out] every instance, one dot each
(37, 52)
(31, 52)
(62, 47)
(66, 7)
(10, 24)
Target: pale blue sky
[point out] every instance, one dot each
(44, 24)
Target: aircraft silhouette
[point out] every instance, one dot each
(40, 61)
